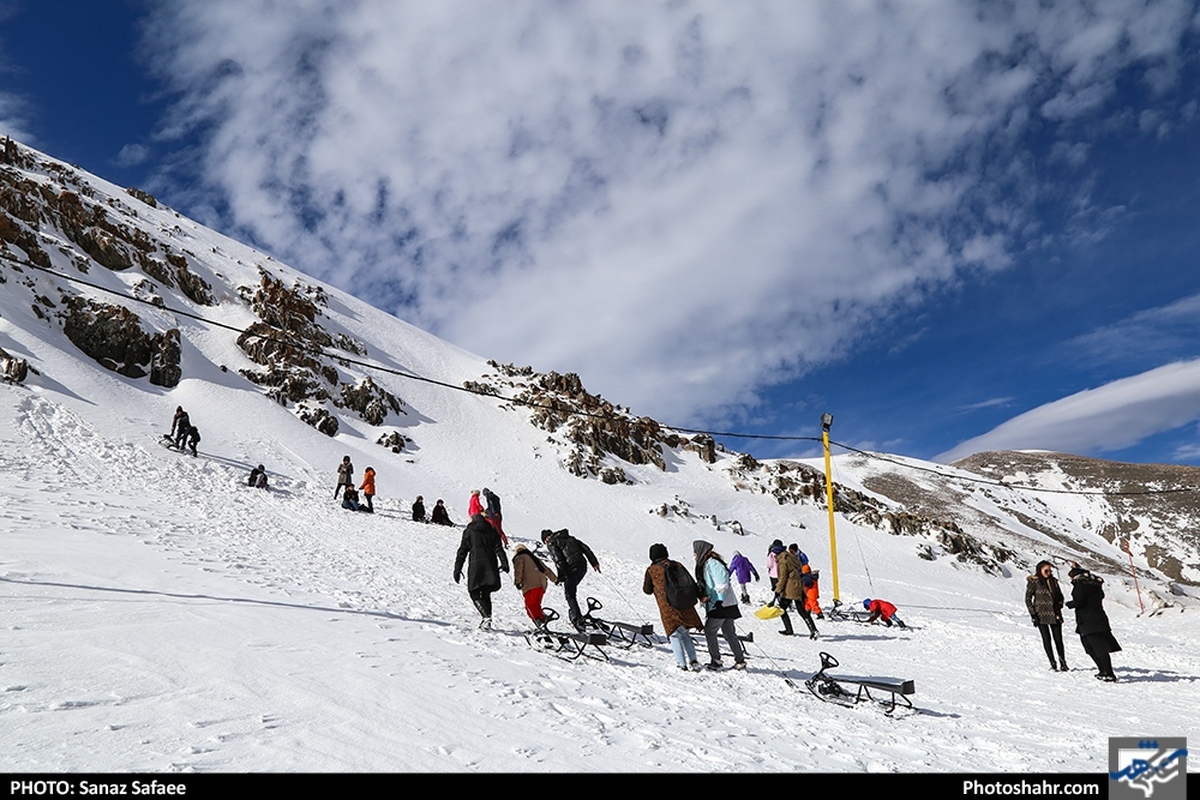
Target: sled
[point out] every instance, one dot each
(567, 645)
(769, 612)
(838, 689)
(620, 634)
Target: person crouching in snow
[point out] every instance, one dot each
(530, 575)
(882, 610)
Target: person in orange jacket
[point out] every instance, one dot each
(368, 488)
(808, 579)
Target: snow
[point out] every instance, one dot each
(161, 616)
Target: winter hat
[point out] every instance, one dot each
(777, 548)
(867, 603)
(658, 552)
(701, 548)
(1077, 570)
(546, 534)
(777, 543)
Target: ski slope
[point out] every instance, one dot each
(160, 616)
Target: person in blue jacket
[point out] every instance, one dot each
(720, 603)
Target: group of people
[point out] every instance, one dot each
(353, 501)
(482, 550)
(794, 584)
(677, 594)
(1044, 600)
(183, 432)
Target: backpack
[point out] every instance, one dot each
(680, 587)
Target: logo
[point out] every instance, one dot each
(1139, 769)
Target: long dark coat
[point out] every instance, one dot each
(481, 542)
(1091, 623)
(673, 618)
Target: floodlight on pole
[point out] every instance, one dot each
(826, 424)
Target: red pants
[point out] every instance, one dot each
(495, 523)
(533, 603)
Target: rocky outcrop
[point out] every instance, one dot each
(113, 337)
(292, 344)
(371, 401)
(589, 430)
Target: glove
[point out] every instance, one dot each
(457, 576)
(1034, 621)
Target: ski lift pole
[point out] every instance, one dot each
(1133, 572)
(826, 422)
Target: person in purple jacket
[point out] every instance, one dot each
(744, 569)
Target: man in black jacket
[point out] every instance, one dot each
(571, 557)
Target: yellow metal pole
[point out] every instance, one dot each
(825, 423)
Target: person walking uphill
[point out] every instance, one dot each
(720, 604)
(482, 545)
(1044, 599)
(531, 575)
(571, 557)
(1091, 623)
(741, 565)
(789, 591)
(677, 613)
(492, 513)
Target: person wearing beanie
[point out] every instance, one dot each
(676, 621)
(1091, 623)
(882, 610)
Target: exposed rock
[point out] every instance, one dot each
(393, 441)
(145, 197)
(371, 401)
(319, 418)
(113, 336)
(164, 360)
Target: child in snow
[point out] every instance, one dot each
(882, 609)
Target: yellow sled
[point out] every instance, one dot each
(769, 612)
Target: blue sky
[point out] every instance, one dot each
(955, 226)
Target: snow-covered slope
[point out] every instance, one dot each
(160, 615)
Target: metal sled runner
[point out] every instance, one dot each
(837, 689)
(567, 645)
(620, 634)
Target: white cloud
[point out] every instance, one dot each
(683, 202)
(1110, 417)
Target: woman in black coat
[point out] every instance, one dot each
(481, 542)
(1091, 623)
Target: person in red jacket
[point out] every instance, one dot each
(882, 609)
